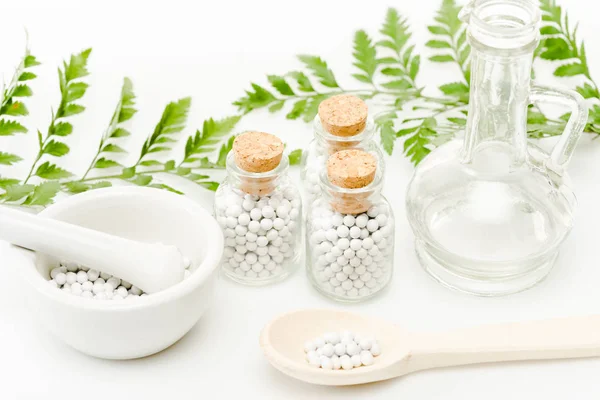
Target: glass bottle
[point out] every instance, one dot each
(260, 211)
(342, 123)
(490, 211)
(350, 229)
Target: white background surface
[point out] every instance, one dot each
(212, 50)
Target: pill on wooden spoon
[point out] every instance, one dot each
(283, 341)
(151, 267)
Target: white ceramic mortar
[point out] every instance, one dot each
(129, 328)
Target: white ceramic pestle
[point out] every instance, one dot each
(403, 352)
(151, 267)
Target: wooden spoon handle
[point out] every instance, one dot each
(573, 337)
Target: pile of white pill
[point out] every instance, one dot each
(343, 350)
(81, 281)
(351, 254)
(261, 233)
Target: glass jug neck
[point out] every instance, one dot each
(503, 35)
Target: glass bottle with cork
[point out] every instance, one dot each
(350, 228)
(260, 211)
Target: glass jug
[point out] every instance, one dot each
(490, 211)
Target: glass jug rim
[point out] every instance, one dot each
(472, 13)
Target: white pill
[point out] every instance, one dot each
(348, 269)
(241, 231)
(366, 358)
(334, 282)
(382, 243)
(356, 244)
(326, 362)
(135, 290)
(266, 224)
(248, 204)
(377, 236)
(367, 243)
(375, 349)
(268, 212)
(272, 234)
(347, 285)
(278, 224)
(337, 219)
(126, 284)
(122, 291)
(255, 214)
(328, 350)
(335, 360)
(254, 226)
(352, 348)
(355, 261)
(244, 219)
(366, 344)
(332, 337)
(233, 211)
(361, 220)
(274, 202)
(309, 346)
(349, 220)
(381, 219)
(114, 281)
(356, 361)
(251, 258)
(251, 274)
(61, 278)
(98, 288)
(343, 231)
(257, 267)
(343, 243)
(340, 349)
(54, 272)
(358, 284)
(372, 225)
(346, 362)
(314, 361)
(372, 212)
(71, 278)
(331, 235)
(283, 211)
(355, 232)
(231, 222)
(349, 253)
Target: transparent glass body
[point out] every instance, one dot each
(350, 240)
(490, 211)
(322, 146)
(261, 217)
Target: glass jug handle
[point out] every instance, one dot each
(563, 150)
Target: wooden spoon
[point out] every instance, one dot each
(403, 352)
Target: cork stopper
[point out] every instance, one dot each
(257, 151)
(343, 115)
(351, 169)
